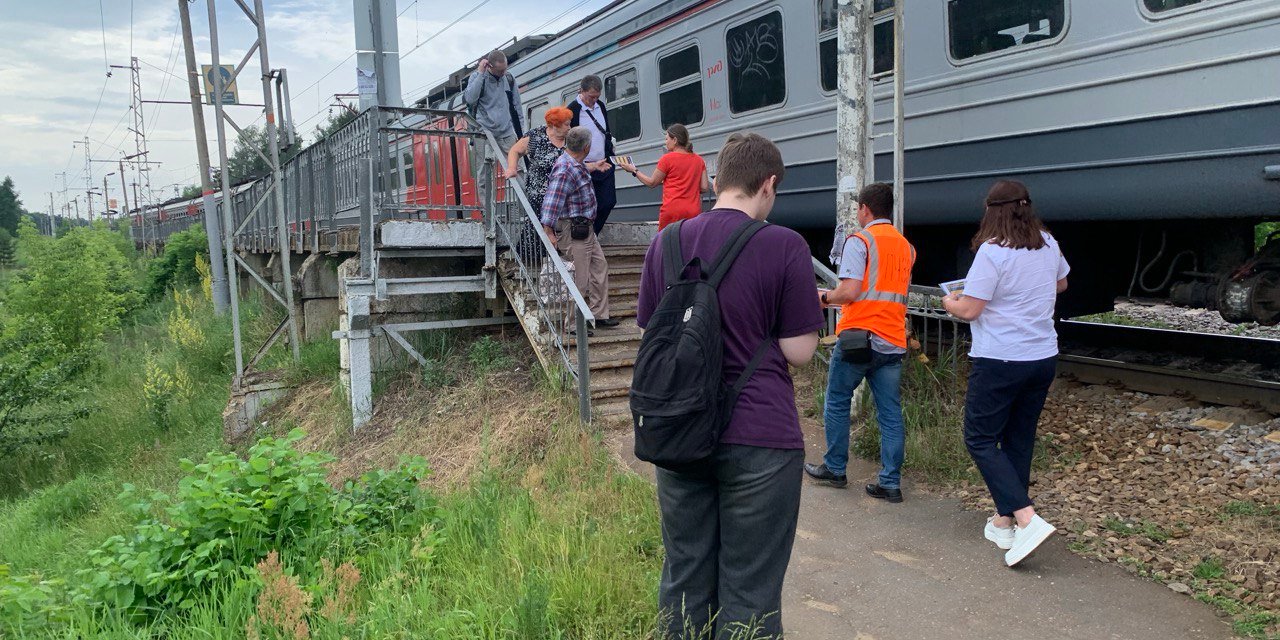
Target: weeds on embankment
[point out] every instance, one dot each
(535, 534)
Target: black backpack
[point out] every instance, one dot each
(680, 403)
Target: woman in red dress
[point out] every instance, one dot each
(682, 174)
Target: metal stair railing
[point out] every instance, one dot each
(924, 306)
(546, 295)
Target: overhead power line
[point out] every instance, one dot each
(446, 27)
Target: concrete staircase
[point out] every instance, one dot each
(612, 352)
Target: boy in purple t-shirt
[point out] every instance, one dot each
(728, 526)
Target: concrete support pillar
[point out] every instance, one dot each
(359, 359)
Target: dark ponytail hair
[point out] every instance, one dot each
(1009, 219)
(681, 135)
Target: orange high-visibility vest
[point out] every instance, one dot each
(881, 306)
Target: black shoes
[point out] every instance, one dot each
(880, 493)
(823, 475)
(606, 322)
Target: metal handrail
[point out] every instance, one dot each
(551, 316)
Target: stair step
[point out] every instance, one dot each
(620, 250)
(610, 362)
(626, 270)
(613, 413)
(624, 290)
(610, 384)
(609, 336)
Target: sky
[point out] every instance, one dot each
(54, 59)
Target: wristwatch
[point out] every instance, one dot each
(824, 298)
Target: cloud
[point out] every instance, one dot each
(53, 71)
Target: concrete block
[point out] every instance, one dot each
(317, 277)
(319, 318)
(628, 233)
(344, 348)
(240, 418)
(427, 233)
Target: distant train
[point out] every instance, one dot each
(1148, 131)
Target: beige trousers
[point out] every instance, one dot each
(590, 270)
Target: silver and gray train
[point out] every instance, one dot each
(1148, 131)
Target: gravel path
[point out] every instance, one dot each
(1186, 319)
(1135, 482)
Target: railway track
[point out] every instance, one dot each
(1213, 368)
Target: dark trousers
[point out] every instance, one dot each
(728, 527)
(1001, 410)
(602, 182)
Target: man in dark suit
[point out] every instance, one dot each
(589, 111)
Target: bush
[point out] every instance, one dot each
(78, 286)
(231, 512)
(177, 266)
(37, 398)
(487, 355)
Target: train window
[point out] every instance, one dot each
(679, 65)
(537, 114)
(570, 96)
(1161, 6)
(680, 87)
(881, 34)
(407, 162)
(621, 86)
(757, 70)
(622, 98)
(986, 26)
(828, 14)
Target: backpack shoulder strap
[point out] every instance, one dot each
(732, 247)
(750, 369)
(671, 254)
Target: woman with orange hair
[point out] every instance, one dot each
(540, 149)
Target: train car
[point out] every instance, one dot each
(1146, 130)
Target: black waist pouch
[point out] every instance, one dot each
(579, 228)
(855, 345)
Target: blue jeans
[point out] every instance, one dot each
(883, 373)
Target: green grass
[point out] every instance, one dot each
(1126, 528)
(1267, 515)
(1209, 569)
(933, 410)
(555, 543)
(1111, 317)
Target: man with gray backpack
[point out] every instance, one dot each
(493, 99)
(726, 303)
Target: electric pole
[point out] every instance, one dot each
(212, 228)
(124, 189)
(139, 130)
(854, 24)
(88, 176)
(53, 225)
(106, 198)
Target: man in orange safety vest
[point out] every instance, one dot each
(875, 272)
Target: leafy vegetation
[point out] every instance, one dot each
(177, 266)
(545, 539)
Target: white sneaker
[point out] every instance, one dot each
(1002, 537)
(1026, 539)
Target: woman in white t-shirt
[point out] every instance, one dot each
(1008, 298)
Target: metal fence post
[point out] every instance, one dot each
(364, 178)
(488, 183)
(584, 371)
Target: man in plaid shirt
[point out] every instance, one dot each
(568, 210)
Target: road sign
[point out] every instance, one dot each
(229, 95)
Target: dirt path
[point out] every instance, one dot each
(866, 570)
